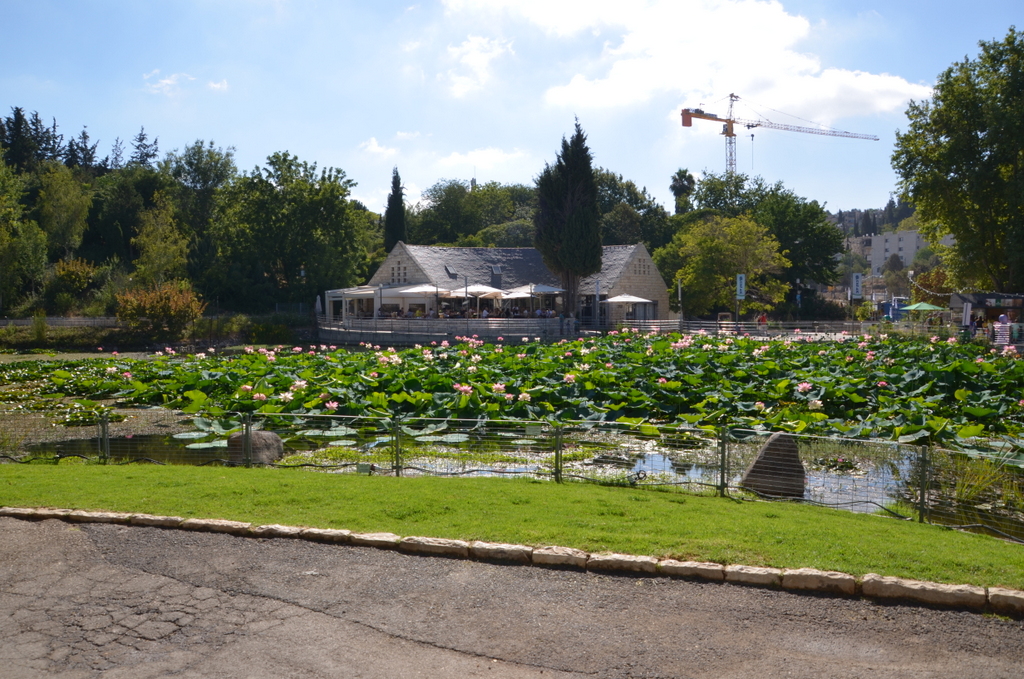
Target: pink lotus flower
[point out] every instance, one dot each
(259, 397)
(245, 387)
(524, 397)
(569, 378)
(296, 350)
(331, 405)
(804, 387)
(498, 388)
(509, 397)
(126, 375)
(883, 383)
(662, 380)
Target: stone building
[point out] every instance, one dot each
(402, 283)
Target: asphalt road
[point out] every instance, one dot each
(97, 600)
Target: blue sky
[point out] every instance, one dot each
(454, 88)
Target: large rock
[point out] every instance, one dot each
(777, 470)
(267, 447)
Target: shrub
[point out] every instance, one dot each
(39, 327)
(160, 312)
(70, 279)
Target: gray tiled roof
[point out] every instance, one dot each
(519, 266)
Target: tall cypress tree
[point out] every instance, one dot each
(567, 224)
(394, 216)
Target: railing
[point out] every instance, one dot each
(952, 488)
(66, 321)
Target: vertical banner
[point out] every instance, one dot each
(968, 309)
(741, 286)
(858, 292)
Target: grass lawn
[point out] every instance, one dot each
(589, 517)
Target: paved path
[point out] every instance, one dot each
(97, 600)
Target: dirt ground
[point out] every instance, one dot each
(91, 601)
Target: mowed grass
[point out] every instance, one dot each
(589, 517)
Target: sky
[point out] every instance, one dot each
(456, 89)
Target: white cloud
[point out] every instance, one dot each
(474, 56)
(482, 159)
(698, 51)
(167, 86)
(221, 86)
(374, 149)
(406, 135)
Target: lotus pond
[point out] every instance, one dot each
(867, 387)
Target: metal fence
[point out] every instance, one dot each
(921, 483)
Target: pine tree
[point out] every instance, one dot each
(394, 216)
(145, 153)
(567, 223)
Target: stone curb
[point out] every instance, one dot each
(872, 585)
(623, 562)
(960, 596)
(435, 546)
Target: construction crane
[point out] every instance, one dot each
(730, 135)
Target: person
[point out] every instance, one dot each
(561, 323)
(762, 321)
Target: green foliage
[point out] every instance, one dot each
(162, 248)
(682, 187)
(395, 229)
(960, 163)
(71, 278)
(160, 312)
(801, 227)
(874, 387)
(707, 256)
(64, 204)
(199, 172)
(284, 233)
(39, 327)
(629, 214)
(568, 233)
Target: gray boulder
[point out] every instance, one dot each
(777, 470)
(267, 447)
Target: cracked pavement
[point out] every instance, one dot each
(100, 600)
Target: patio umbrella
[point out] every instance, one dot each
(922, 306)
(625, 299)
(318, 307)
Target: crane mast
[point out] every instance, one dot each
(729, 123)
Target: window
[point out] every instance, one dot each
(450, 270)
(496, 269)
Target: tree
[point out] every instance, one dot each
(707, 256)
(568, 233)
(960, 162)
(145, 152)
(283, 233)
(446, 215)
(682, 186)
(198, 172)
(801, 227)
(80, 153)
(64, 204)
(163, 250)
(394, 215)
(629, 214)
(26, 141)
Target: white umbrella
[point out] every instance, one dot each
(537, 289)
(318, 307)
(422, 289)
(625, 299)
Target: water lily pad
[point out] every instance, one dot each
(222, 443)
(342, 442)
(191, 434)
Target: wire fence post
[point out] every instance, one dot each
(396, 445)
(104, 437)
(247, 441)
(558, 454)
(923, 461)
(723, 463)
